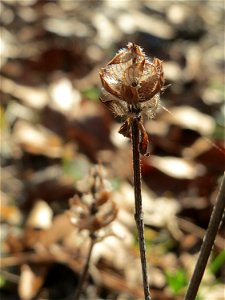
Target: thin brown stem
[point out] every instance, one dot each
(85, 271)
(138, 204)
(207, 244)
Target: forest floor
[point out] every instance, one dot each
(54, 131)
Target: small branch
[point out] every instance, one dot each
(85, 271)
(207, 244)
(9, 276)
(198, 231)
(138, 204)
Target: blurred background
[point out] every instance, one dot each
(54, 130)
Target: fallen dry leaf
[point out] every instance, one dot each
(40, 216)
(177, 167)
(37, 139)
(189, 117)
(31, 280)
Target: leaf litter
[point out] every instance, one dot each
(52, 134)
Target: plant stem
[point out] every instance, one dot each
(85, 271)
(214, 223)
(138, 204)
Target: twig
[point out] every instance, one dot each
(199, 232)
(207, 244)
(85, 271)
(9, 276)
(138, 204)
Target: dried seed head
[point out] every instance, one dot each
(132, 83)
(94, 209)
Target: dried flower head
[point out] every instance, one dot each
(132, 83)
(94, 209)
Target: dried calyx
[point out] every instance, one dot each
(132, 84)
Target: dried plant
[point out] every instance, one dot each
(93, 210)
(132, 84)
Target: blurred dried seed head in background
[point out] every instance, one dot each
(94, 209)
